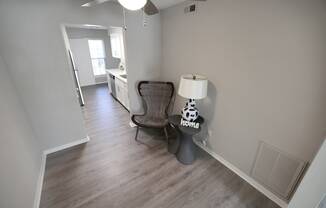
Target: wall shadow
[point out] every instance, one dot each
(207, 108)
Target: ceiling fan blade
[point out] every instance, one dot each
(94, 2)
(150, 8)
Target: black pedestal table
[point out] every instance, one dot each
(186, 151)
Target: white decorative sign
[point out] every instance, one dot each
(189, 124)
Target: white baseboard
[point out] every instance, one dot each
(227, 164)
(38, 192)
(94, 84)
(65, 146)
(244, 176)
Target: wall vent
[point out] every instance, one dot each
(276, 170)
(190, 8)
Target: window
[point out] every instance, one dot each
(96, 49)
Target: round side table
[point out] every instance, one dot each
(186, 152)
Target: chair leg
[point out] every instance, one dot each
(166, 135)
(137, 134)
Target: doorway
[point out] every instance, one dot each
(97, 57)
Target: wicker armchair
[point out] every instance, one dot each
(156, 97)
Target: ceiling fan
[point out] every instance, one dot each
(147, 5)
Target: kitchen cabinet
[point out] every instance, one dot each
(116, 45)
(118, 86)
(122, 92)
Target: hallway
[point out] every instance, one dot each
(113, 171)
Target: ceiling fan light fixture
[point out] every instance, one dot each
(133, 4)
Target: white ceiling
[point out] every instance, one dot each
(163, 4)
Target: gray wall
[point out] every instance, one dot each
(143, 53)
(33, 47)
(80, 33)
(266, 64)
(20, 153)
(313, 187)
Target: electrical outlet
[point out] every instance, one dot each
(210, 133)
(322, 203)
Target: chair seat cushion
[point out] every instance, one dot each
(147, 121)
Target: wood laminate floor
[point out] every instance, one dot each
(113, 171)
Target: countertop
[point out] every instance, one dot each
(117, 73)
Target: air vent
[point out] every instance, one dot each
(277, 170)
(191, 8)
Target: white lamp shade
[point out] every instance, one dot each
(193, 86)
(133, 4)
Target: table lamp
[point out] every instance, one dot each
(192, 87)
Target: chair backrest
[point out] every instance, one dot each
(157, 97)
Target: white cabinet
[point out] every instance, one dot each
(122, 92)
(118, 86)
(119, 89)
(116, 45)
(109, 81)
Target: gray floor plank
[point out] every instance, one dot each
(113, 171)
